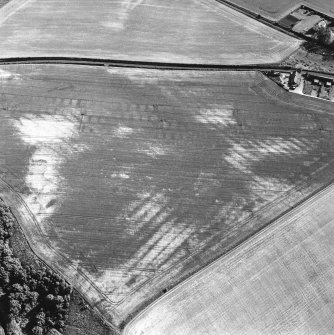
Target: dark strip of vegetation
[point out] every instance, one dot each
(325, 36)
(32, 301)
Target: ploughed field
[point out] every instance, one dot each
(128, 180)
(280, 282)
(188, 31)
(277, 9)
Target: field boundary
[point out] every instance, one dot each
(136, 64)
(270, 226)
(146, 65)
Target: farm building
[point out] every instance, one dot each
(303, 26)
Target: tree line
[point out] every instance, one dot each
(34, 300)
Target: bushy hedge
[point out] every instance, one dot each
(37, 299)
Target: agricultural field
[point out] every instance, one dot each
(279, 282)
(126, 181)
(188, 31)
(277, 9)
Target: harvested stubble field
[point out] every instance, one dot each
(276, 9)
(128, 180)
(188, 31)
(279, 282)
